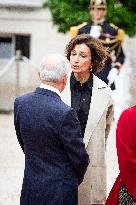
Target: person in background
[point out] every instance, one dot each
(124, 189)
(109, 34)
(49, 134)
(91, 98)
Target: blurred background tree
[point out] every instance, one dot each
(67, 13)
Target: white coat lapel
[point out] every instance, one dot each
(99, 102)
(66, 94)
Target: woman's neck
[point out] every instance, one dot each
(82, 77)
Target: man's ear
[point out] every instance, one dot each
(38, 75)
(65, 79)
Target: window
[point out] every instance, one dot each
(5, 47)
(9, 45)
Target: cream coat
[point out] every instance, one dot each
(93, 188)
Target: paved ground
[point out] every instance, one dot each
(12, 162)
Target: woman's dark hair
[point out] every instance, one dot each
(99, 53)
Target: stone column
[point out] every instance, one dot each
(129, 83)
(125, 93)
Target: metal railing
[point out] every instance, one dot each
(17, 59)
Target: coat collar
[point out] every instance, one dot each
(48, 87)
(43, 91)
(99, 102)
(97, 85)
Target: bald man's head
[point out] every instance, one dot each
(53, 68)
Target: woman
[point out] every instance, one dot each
(124, 189)
(91, 98)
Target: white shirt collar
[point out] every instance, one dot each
(49, 87)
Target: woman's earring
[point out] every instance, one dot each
(91, 68)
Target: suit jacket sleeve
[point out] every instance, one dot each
(70, 134)
(16, 123)
(120, 56)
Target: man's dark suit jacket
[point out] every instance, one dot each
(55, 157)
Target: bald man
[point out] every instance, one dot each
(49, 134)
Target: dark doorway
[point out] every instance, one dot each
(23, 43)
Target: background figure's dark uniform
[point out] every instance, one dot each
(110, 37)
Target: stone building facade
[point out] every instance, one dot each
(28, 27)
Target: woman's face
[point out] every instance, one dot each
(80, 58)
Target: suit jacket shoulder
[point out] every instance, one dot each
(85, 29)
(24, 97)
(46, 100)
(106, 27)
(109, 28)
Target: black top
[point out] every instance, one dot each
(81, 99)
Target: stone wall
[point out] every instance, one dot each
(44, 40)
